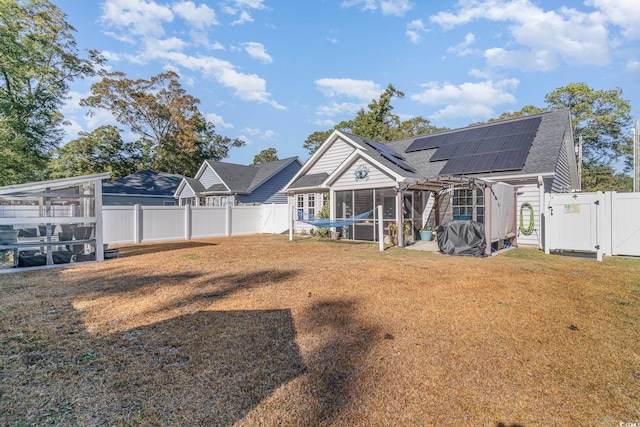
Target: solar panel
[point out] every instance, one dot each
(467, 148)
(457, 165)
(510, 160)
(390, 155)
(480, 163)
(384, 149)
(492, 145)
(445, 152)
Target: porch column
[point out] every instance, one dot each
(399, 217)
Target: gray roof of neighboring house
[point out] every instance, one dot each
(244, 179)
(144, 183)
(195, 185)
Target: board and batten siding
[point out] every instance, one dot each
(209, 178)
(376, 178)
(529, 193)
(332, 158)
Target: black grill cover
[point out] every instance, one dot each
(465, 238)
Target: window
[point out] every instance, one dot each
(463, 204)
(165, 203)
(300, 206)
(311, 205)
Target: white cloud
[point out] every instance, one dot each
(257, 51)
(462, 49)
(251, 4)
(157, 48)
(623, 13)
(542, 38)
(243, 18)
(340, 109)
(248, 87)
(140, 17)
(471, 100)
(198, 16)
(364, 90)
(633, 70)
(415, 29)
(395, 7)
(218, 121)
(387, 7)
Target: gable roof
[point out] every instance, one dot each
(534, 145)
(144, 183)
(550, 133)
(244, 179)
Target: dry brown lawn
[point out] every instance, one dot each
(257, 330)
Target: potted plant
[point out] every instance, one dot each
(426, 234)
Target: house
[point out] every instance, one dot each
(426, 180)
(220, 183)
(146, 188)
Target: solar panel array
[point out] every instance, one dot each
(499, 147)
(390, 155)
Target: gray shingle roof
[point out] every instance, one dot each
(243, 179)
(542, 157)
(144, 183)
(309, 181)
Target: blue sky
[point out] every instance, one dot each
(272, 72)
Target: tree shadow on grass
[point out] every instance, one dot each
(333, 367)
(143, 249)
(207, 368)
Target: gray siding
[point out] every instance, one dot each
(562, 180)
(272, 185)
(209, 178)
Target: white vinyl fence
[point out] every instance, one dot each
(136, 224)
(601, 223)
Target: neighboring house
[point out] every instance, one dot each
(145, 188)
(534, 153)
(220, 184)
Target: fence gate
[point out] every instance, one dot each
(574, 222)
(625, 223)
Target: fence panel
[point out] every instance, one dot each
(162, 223)
(275, 218)
(118, 224)
(208, 221)
(625, 224)
(246, 220)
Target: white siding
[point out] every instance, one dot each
(531, 194)
(376, 178)
(209, 178)
(332, 158)
(186, 192)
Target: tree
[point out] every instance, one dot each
(600, 117)
(38, 60)
(377, 123)
(164, 115)
(266, 155)
(102, 150)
